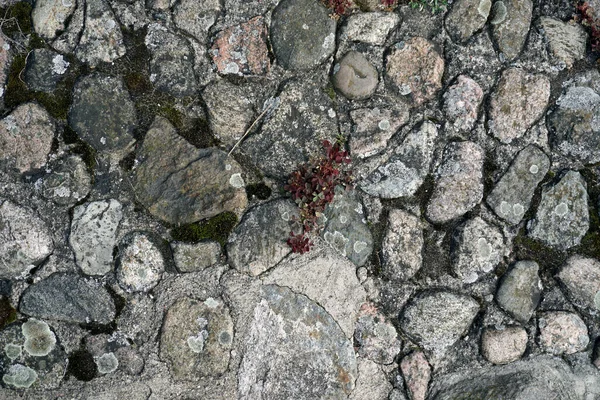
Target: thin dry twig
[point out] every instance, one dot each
(271, 105)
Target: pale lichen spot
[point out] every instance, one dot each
(561, 209)
(12, 351)
(505, 208)
(285, 216)
(305, 27)
(211, 303)
(196, 343)
(20, 376)
(343, 219)
(518, 209)
(329, 41)
(470, 277)
(331, 113)
(107, 363)
(236, 181)
(384, 125)
(534, 169)
(484, 249)
(359, 246)
(484, 8)
(227, 167)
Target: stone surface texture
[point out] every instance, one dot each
(402, 246)
(503, 346)
(519, 290)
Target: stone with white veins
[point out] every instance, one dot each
(581, 277)
(102, 39)
(94, 234)
(402, 246)
(373, 127)
(404, 172)
(458, 182)
(372, 27)
(480, 249)
(511, 197)
(140, 263)
(25, 240)
(467, 17)
(520, 290)
(562, 217)
(51, 16)
(562, 333)
(566, 40)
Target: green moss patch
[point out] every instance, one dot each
(260, 190)
(8, 314)
(216, 228)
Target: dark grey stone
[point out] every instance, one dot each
(520, 290)
(45, 68)
(467, 17)
(510, 25)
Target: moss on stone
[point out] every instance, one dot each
(330, 91)
(260, 190)
(216, 228)
(17, 19)
(8, 314)
(82, 366)
(527, 248)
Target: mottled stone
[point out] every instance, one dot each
(503, 346)
(140, 263)
(417, 373)
(458, 182)
(302, 34)
(180, 184)
(196, 338)
(26, 136)
(372, 383)
(172, 62)
(467, 17)
(562, 333)
(242, 49)
(562, 218)
(415, 68)
(510, 25)
(192, 257)
(461, 103)
(102, 40)
(355, 77)
(194, 17)
(94, 234)
(67, 38)
(25, 240)
(520, 290)
(44, 69)
(376, 337)
(404, 172)
(566, 40)
(346, 229)
(371, 27)
(519, 100)
(480, 248)
(581, 277)
(68, 297)
(373, 127)
(402, 246)
(51, 16)
(67, 182)
(437, 319)
(258, 243)
(511, 197)
(295, 350)
(102, 113)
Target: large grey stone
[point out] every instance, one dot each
(345, 228)
(461, 103)
(94, 234)
(562, 218)
(102, 113)
(467, 17)
(25, 240)
(295, 130)
(581, 277)
(295, 350)
(575, 123)
(567, 41)
(302, 34)
(520, 290)
(259, 241)
(402, 246)
(510, 25)
(68, 297)
(437, 319)
(196, 338)
(511, 197)
(180, 184)
(404, 172)
(458, 182)
(50, 16)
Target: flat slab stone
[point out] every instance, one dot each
(25, 240)
(562, 218)
(402, 246)
(102, 113)
(369, 27)
(302, 34)
(520, 289)
(26, 136)
(45, 68)
(181, 184)
(458, 182)
(511, 197)
(581, 277)
(510, 25)
(567, 41)
(467, 17)
(295, 350)
(374, 127)
(70, 298)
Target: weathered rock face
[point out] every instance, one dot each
(196, 338)
(520, 290)
(102, 113)
(458, 182)
(192, 257)
(416, 372)
(510, 25)
(519, 100)
(575, 122)
(50, 17)
(404, 172)
(318, 361)
(26, 136)
(181, 184)
(416, 69)
(461, 103)
(503, 346)
(562, 218)
(194, 17)
(376, 337)
(566, 40)
(140, 262)
(302, 34)
(45, 68)
(68, 297)
(25, 240)
(355, 77)
(436, 320)
(581, 277)
(562, 333)
(259, 241)
(402, 246)
(68, 182)
(511, 197)
(467, 17)
(372, 28)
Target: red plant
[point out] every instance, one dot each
(388, 3)
(339, 7)
(312, 187)
(589, 19)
